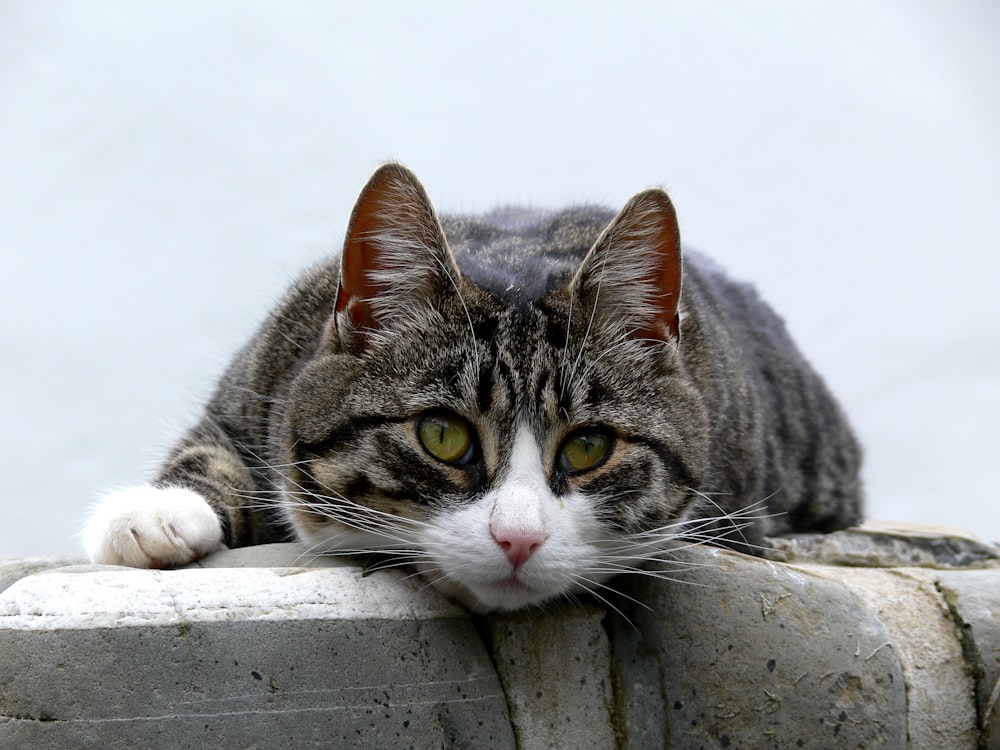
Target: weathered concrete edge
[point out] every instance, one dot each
(965, 629)
(106, 597)
(241, 657)
(926, 638)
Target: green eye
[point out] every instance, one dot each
(447, 437)
(585, 449)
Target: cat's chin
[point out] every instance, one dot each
(505, 595)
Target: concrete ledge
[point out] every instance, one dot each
(744, 652)
(236, 658)
(775, 656)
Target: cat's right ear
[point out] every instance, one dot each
(631, 278)
(395, 260)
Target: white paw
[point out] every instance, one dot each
(151, 527)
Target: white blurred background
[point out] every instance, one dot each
(166, 168)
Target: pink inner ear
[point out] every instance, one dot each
(360, 256)
(667, 279)
(359, 261)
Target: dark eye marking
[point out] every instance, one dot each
(348, 432)
(674, 463)
(484, 393)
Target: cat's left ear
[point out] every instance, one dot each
(395, 261)
(632, 276)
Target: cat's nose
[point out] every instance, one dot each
(516, 545)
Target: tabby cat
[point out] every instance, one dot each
(519, 405)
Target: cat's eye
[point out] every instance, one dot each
(585, 449)
(447, 437)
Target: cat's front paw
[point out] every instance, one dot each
(151, 527)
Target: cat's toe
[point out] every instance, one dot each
(151, 527)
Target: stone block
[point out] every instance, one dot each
(744, 652)
(974, 599)
(841, 645)
(877, 544)
(242, 658)
(940, 706)
(13, 570)
(555, 668)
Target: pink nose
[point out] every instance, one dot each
(517, 546)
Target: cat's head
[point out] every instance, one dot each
(513, 448)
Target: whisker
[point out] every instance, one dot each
(591, 586)
(387, 541)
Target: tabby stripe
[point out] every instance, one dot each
(485, 329)
(674, 463)
(555, 333)
(349, 432)
(484, 394)
(541, 385)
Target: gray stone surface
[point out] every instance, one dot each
(275, 556)
(555, 669)
(269, 647)
(755, 655)
(231, 658)
(885, 545)
(939, 689)
(974, 599)
(13, 570)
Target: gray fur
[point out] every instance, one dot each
(727, 417)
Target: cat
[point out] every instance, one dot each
(519, 406)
